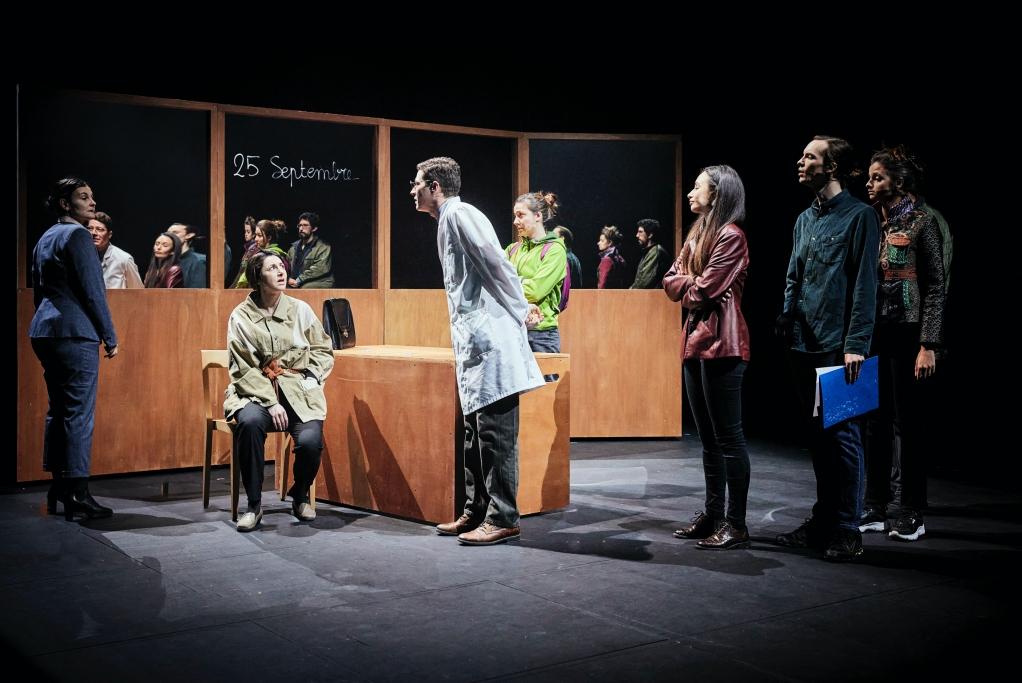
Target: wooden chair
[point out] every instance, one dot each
(217, 358)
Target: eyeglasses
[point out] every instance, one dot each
(427, 183)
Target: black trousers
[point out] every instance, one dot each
(896, 433)
(491, 462)
(254, 422)
(714, 390)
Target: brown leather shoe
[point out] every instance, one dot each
(458, 526)
(489, 534)
(702, 526)
(726, 537)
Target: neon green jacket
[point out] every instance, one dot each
(541, 275)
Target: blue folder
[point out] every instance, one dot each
(842, 401)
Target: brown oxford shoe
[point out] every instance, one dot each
(726, 537)
(702, 526)
(458, 526)
(489, 534)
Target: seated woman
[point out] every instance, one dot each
(267, 232)
(165, 266)
(279, 358)
(612, 273)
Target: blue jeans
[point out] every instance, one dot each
(491, 462)
(71, 372)
(254, 422)
(546, 341)
(837, 451)
(714, 390)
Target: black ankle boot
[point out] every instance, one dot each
(80, 500)
(57, 493)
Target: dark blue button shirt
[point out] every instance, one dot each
(832, 276)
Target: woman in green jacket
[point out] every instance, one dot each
(267, 233)
(540, 259)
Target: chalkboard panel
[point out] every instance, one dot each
(279, 168)
(487, 182)
(148, 166)
(607, 182)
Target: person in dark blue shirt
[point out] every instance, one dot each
(829, 309)
(193, 264)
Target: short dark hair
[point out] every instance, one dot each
(254, 269)
(565, 235)
(63, 189)
(193, 230)
(310, 216)
(443, 170)
(105, 219)
(650, 225)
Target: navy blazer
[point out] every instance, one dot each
(69, 292)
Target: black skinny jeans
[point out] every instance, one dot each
(714, 390)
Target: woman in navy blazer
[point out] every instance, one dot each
(70, 320)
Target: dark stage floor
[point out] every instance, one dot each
(601, 591)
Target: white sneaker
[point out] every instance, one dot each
(303, 511)
(250, 520)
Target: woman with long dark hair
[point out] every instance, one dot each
(165, 265)
(708, 278)
(70, 321)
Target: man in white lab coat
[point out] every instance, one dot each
(493, 361)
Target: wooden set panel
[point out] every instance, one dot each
(393, 447)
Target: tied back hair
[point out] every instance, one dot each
(543, 203)
(904, 168)
(842, 156)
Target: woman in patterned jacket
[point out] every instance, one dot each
(909, 334)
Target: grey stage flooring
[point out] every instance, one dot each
(600, 591)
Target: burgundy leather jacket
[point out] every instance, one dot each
(172, 278)
(714, 329)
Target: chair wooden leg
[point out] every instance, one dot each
(284, 461)
(277, 472)
(206, 466)
(235, 484)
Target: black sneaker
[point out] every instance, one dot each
(808, 535)
(873, 519)
(844, 545)
(908, 527)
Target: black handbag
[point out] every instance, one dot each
(339, 323)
